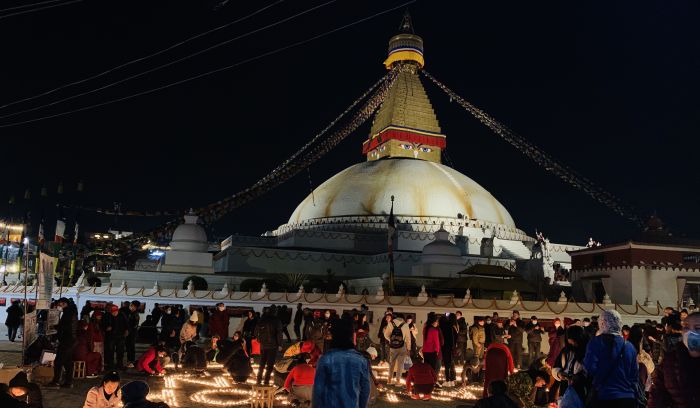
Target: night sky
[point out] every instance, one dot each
(609, 89)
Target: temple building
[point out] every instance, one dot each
(653, 267)
(446, 222)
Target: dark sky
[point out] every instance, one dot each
(609, 88)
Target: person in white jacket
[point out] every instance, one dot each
(107, 394)
(398, 335)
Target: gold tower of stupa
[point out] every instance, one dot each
(405, 125)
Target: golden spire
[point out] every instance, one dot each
(405, 125)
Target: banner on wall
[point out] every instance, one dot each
(44, 279)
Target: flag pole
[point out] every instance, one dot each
(391, 230)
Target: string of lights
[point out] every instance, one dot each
(32, 7)
(170, 63)
(541, 158)
(140, 59)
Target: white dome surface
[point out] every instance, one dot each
(189, 236)
(420, 188)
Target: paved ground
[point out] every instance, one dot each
(186, 391)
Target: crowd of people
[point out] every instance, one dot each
(331, 360)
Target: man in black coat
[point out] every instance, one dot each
(130, 342)
(534, 338)
(268, 331)
(66, 334)
(298, 318)
(516, 332)
(116, 328)
(14, 319)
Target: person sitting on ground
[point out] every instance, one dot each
(149, 362)
(498, 397)
(238, 364)
(23, 390)
(300, 381)
(134, 395)
(194, 358)
(7, 400)
(105, 395)
(498, 363)
(421, 379)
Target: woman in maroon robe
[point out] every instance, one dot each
(84, 350)
(498, 363)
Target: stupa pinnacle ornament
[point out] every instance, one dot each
(405, 125)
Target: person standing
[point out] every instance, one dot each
(568, 367)
(462, 339)
(116, 328)
(488, 328)
(298, 319)
(534, 339)
(448, 326)
(248, 331)
(432, 343)
(268, 331)
(14, 319)
(556, 341)
(66, 332)
(399, 346)
(130, 342)
(156, 314)
(675, 379)
(478, 337)
(383, 341)
(612, 363)
(516, 334)
(219, 322)
(362, 333)
(95, 332)
(313, 330)
(343, 374)
(411, 328)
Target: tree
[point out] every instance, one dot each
(199, 282)
(290, 282)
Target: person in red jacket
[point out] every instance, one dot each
(300, 381)
(421, 379)
(313, 351)
(219, 321)
(95, 330)
(83, 351)
(498, 363)
(675, 381)
(149, 362)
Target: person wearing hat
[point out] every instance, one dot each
(65, 329)
(116, 328)
(20, 389)
(105, 395)
(134, 395)
(188, 331)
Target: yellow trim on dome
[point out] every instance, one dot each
(405, 55)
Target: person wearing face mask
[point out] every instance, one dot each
(556, 340)
(568, 367)
(478, 337)
(674, 382)
(534, 339)
(488, 329)
(66, 334)
(219, 321)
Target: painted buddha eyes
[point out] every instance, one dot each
(426, 149)
(406, 146)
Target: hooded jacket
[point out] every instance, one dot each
(611, 361)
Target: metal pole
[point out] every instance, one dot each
(24, 324)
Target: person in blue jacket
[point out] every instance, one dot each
(612, 364)
(342, 374)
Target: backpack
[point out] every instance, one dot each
(396, 338)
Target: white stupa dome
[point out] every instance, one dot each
(421, 189)
(190, 236)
